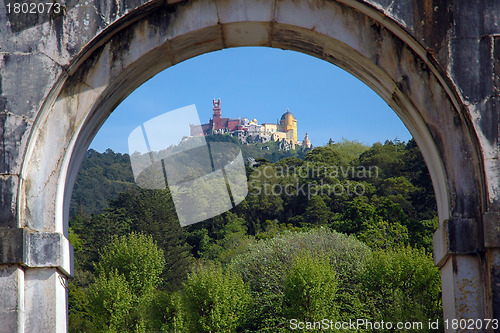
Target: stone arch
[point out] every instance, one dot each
(349, 34)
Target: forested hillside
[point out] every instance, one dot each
(341, 232)
(104, 175)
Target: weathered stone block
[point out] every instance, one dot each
(461, 285)
(46, 310)
(49, 250)
(8, 201)
(44, 249)
(474, 19)
(12, 245)
(34, 249)
(10, 321)
(140, 40)
(230, 11)
(307, 42)
(455, 236)
(14, 132)
(193, 44)
(315, 15)
(488, 114)
(38, 72)
(71, 35)
(463, 236)
(247, 34)
(10, 283)
(59, 36)
(496, 65)
(400, 11)
(493, 256)
(491, 225)
(19, 21)
(191, 16)
(474, 78)
(11, 306)
(114, 9)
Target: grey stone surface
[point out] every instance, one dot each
(9, 283)
(8, 199)
(45, 308)
(11, 308)
(463, 236)
(12, 245)
(48, 250)
(491, 222)
(35, 249)
(435, 62)
(494, 259)
(33, 75)
(44, 250)
(13, 138)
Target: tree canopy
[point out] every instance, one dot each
(342, 231)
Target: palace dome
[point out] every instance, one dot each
(286, 114)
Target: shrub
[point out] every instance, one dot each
(264, 266)
(214, 299)
(401, 285)
(310, 288)
(121, 299)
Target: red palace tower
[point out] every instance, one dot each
(217, 123)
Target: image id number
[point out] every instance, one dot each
(470, 324)
(33, 8)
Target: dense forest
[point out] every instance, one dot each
(103, 176)
(340, 232)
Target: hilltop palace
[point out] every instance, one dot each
(284, 131)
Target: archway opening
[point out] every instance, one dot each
(355, 37)
(365, 196)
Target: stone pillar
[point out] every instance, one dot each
(493, 285)
(470, 272)
(491, 222)
(34, 268)
(11, 298)
(463, 296)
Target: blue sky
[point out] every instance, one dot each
(260, 83)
